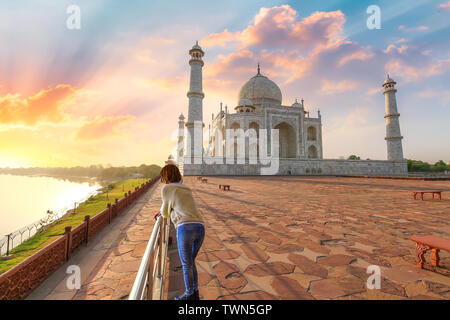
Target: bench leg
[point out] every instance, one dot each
(439, 196)
(435, 257)
(420, 252)
(421, 196)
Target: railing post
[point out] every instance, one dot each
(109, 212)
(150, 277)
(161, 233)
(126, 198)
(68, 235)
(130, 199)
(7, 245)
(116, 203)
(87, 218)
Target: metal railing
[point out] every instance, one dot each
(149, 282)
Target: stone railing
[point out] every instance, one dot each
(23, 278)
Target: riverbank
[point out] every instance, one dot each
(92, 206)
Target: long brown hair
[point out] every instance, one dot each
(170, 173)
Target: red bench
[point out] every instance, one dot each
(225, 187)
(204, 180)
(422, 192)
(425, 243)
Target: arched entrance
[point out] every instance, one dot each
(312, 152)
(253, 146)
(312, 133)
(288, 141)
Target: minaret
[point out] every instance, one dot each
(180, 149)
(195, 115)
(393, 135)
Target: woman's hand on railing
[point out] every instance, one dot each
(157, 215)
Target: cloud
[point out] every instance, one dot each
(45, 106)
(357, 55)
(393, 47)
(445, 6)
(166, 83)
(330, 87)
(100, 128)
(411, 73)
(277, 26)
(413, 29)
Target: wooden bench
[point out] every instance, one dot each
(204, 180)
(225, 187)
(425, 243)
(422, 192)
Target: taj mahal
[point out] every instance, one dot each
(260, 107)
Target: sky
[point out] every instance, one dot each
(111, 91)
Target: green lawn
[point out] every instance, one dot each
(90, 207)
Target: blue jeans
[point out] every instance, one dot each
(190, 238)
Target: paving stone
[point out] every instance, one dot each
(251, 295)
(218, 255)
(284, 248)
(391, 287)
(254, 252)
(325, 288)
(336, 260)
(269, 237)
(308, 266)
(269, 268)
(289, 289)
(229, 276)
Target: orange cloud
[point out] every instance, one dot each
(358, 55)
(103, 127)
(412, 73)
(445, 6)
(330, 87)
(220, 39)
(276, 26)
(45, 106)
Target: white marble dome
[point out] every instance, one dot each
(259, 89)
(245, 102)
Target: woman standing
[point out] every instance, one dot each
(179, 205)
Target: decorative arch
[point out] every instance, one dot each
(312, 152)
(252, 146)
(312, 133)
(288, 140)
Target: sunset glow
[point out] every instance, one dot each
(111, 92)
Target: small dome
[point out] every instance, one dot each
(296, 104)
(181, 117)
(259, 89)
(389, 80)
(245, 102)
(196, 47)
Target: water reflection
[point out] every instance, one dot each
(26, 199)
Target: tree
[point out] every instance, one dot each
(353, 157)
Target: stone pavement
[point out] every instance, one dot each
(109, 263)
(279, 238)
(313, 238)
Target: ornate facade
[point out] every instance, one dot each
(259, 106)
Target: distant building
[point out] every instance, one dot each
(170, 160)
(259, 106)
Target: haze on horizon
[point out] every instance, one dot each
(111, 92)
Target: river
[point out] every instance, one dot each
(26, 199)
